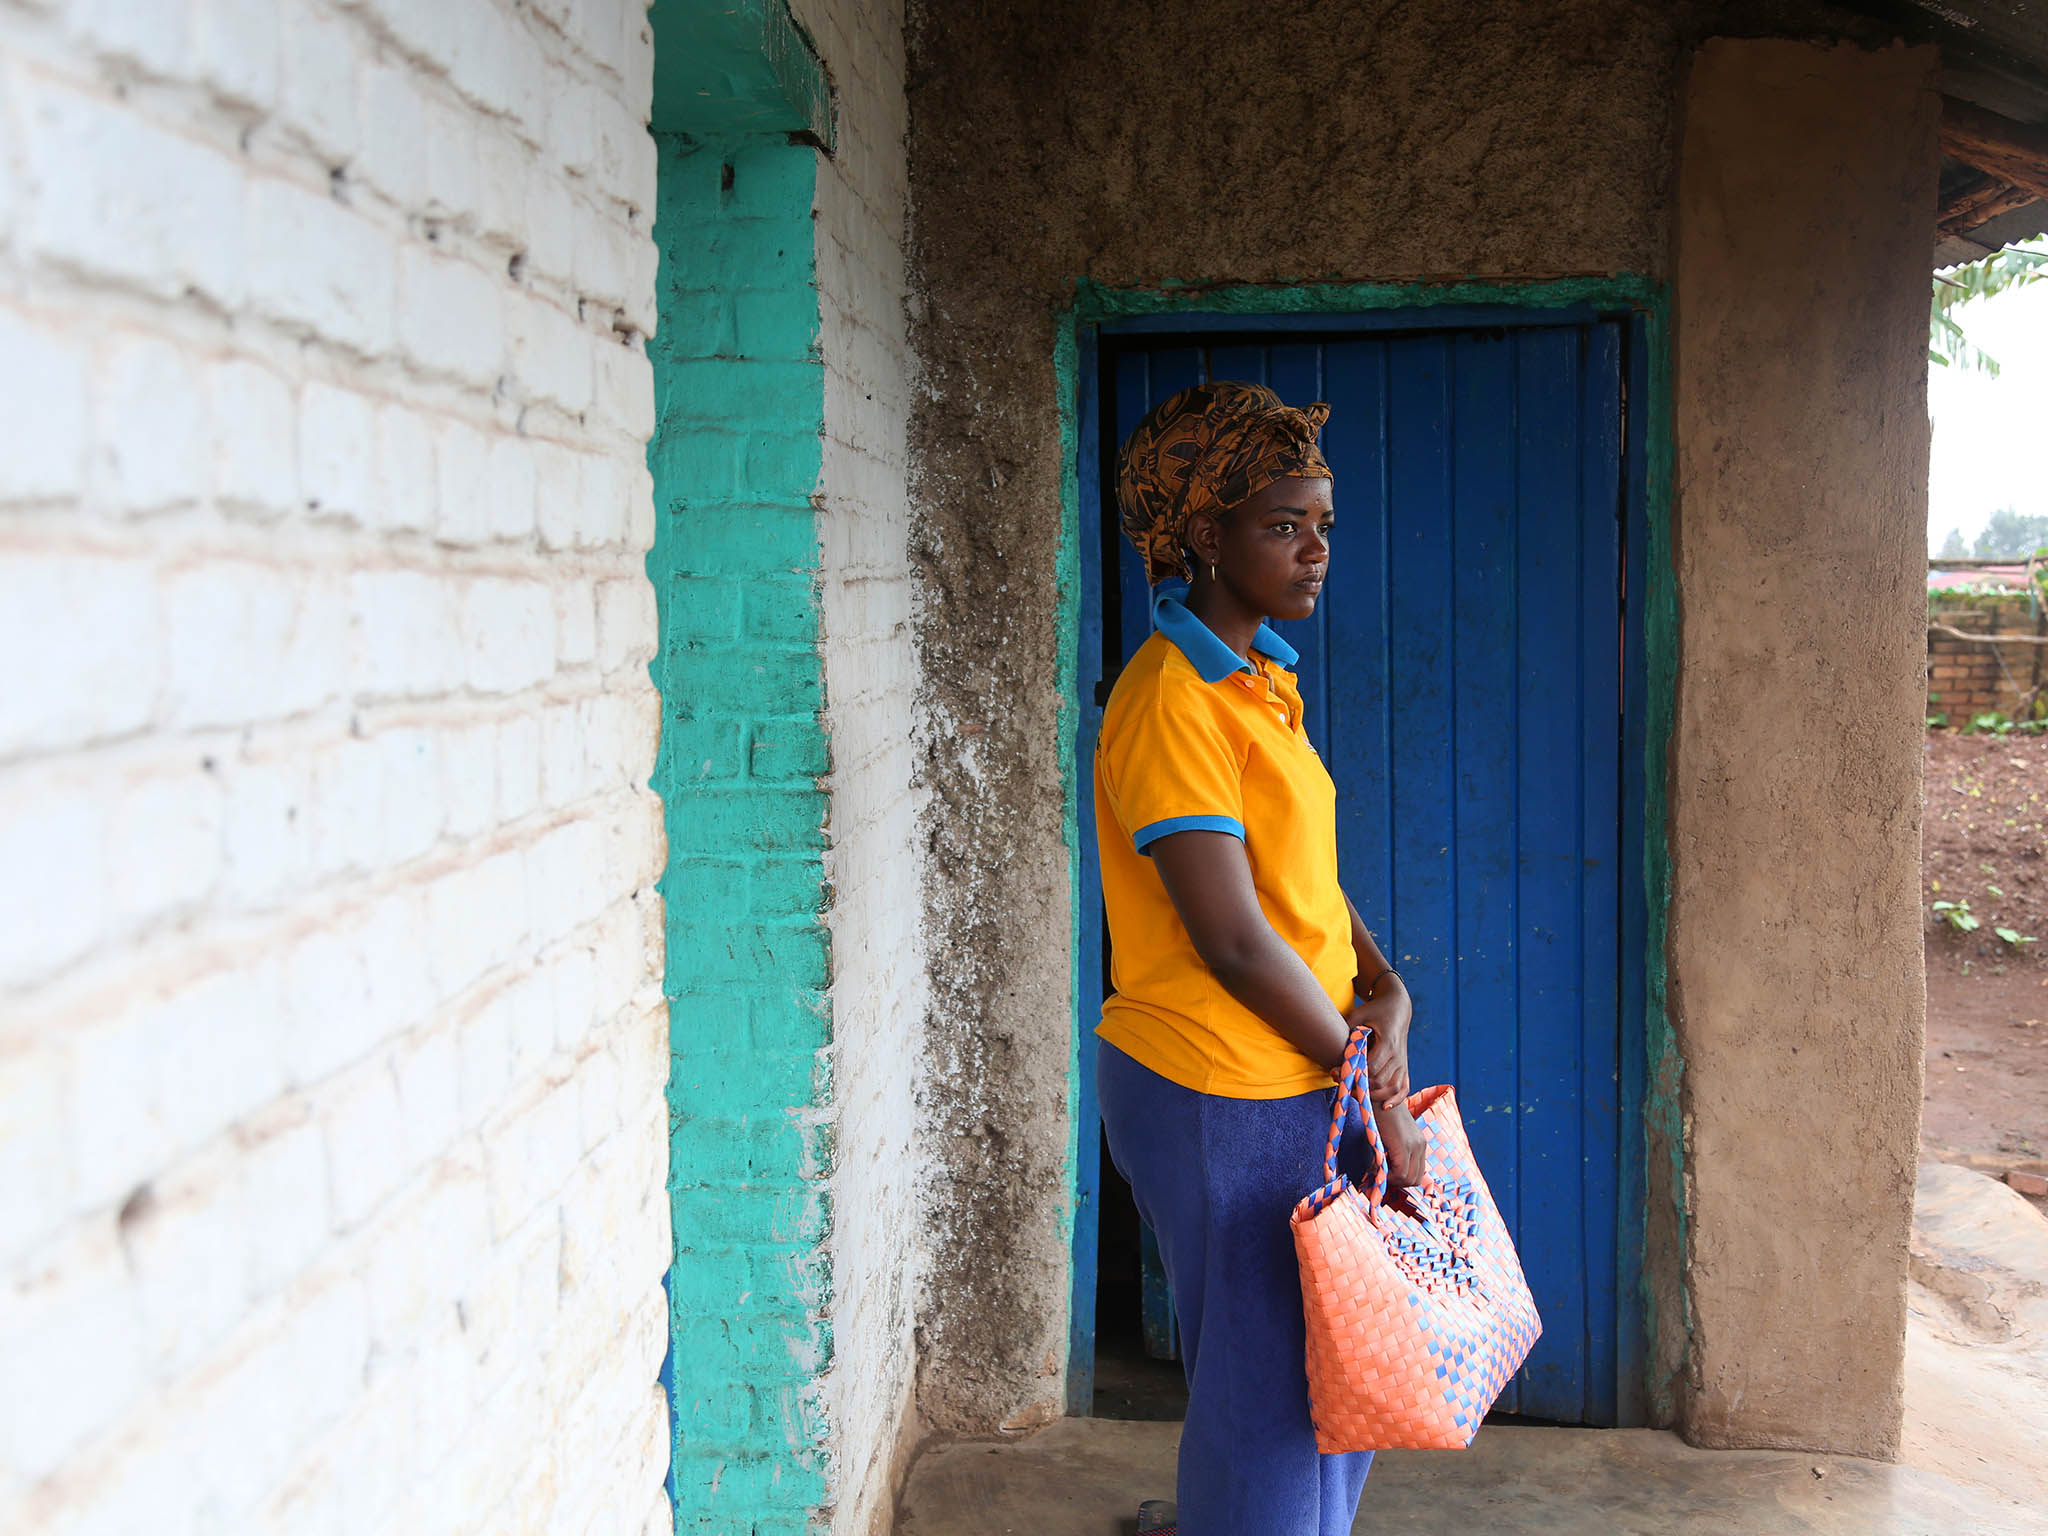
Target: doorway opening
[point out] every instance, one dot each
(1465, 679)
(1138, 1371)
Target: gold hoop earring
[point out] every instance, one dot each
(1212, 571)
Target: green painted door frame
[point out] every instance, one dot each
(1653, 1230)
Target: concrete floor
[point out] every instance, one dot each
(1974, 1462)
(1084, 1477)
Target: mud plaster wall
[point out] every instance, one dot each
(1805, 198)
(1072, 140)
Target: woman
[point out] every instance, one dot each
(1239, 964)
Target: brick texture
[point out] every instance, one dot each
(1969, 678)
(332, 1048)
(735, 459)
(783, 379)
(872, 685)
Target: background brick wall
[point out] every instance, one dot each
(1966, 678)
(331, 1058)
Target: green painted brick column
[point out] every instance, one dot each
(739, 393)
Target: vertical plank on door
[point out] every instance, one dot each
(1295, 374)
(1243, 363)
(1419, 428)
(1548, 743)
(1175, 369)
(1599, 1179)
(1483, 799)
(1360, 633)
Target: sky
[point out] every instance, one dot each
(1988, 433)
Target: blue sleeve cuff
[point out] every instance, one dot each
(1145, 836)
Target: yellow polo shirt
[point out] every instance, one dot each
(1196, 737)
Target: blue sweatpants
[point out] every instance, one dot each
(1215, 1179)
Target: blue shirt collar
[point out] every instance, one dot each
(1209, 656)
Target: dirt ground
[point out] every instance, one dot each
(1983, 842)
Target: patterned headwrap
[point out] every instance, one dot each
(1207, 449)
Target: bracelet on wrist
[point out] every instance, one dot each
(1383, 975)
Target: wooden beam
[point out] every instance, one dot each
(1980, 205)
(2013, 152)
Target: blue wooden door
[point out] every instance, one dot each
(1462, 680)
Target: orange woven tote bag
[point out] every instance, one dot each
(1415, 1322)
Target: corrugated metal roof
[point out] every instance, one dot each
(1994, 55)
(1994, 52)
(2016, 28)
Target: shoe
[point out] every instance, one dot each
(1158, 1517)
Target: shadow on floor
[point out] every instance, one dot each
(1976, 1404)
(1128, 1385)
(1976, 1400)
(1084, 1477)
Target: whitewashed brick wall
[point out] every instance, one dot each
(871, 679)
(332, 1137)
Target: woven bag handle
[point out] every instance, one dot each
(1352, 1086)
(1454, 1237)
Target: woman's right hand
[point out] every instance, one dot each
(1407, 1148)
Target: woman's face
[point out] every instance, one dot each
(1272, 551)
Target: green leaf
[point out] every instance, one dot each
(1957, 915)
(2013, 267)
